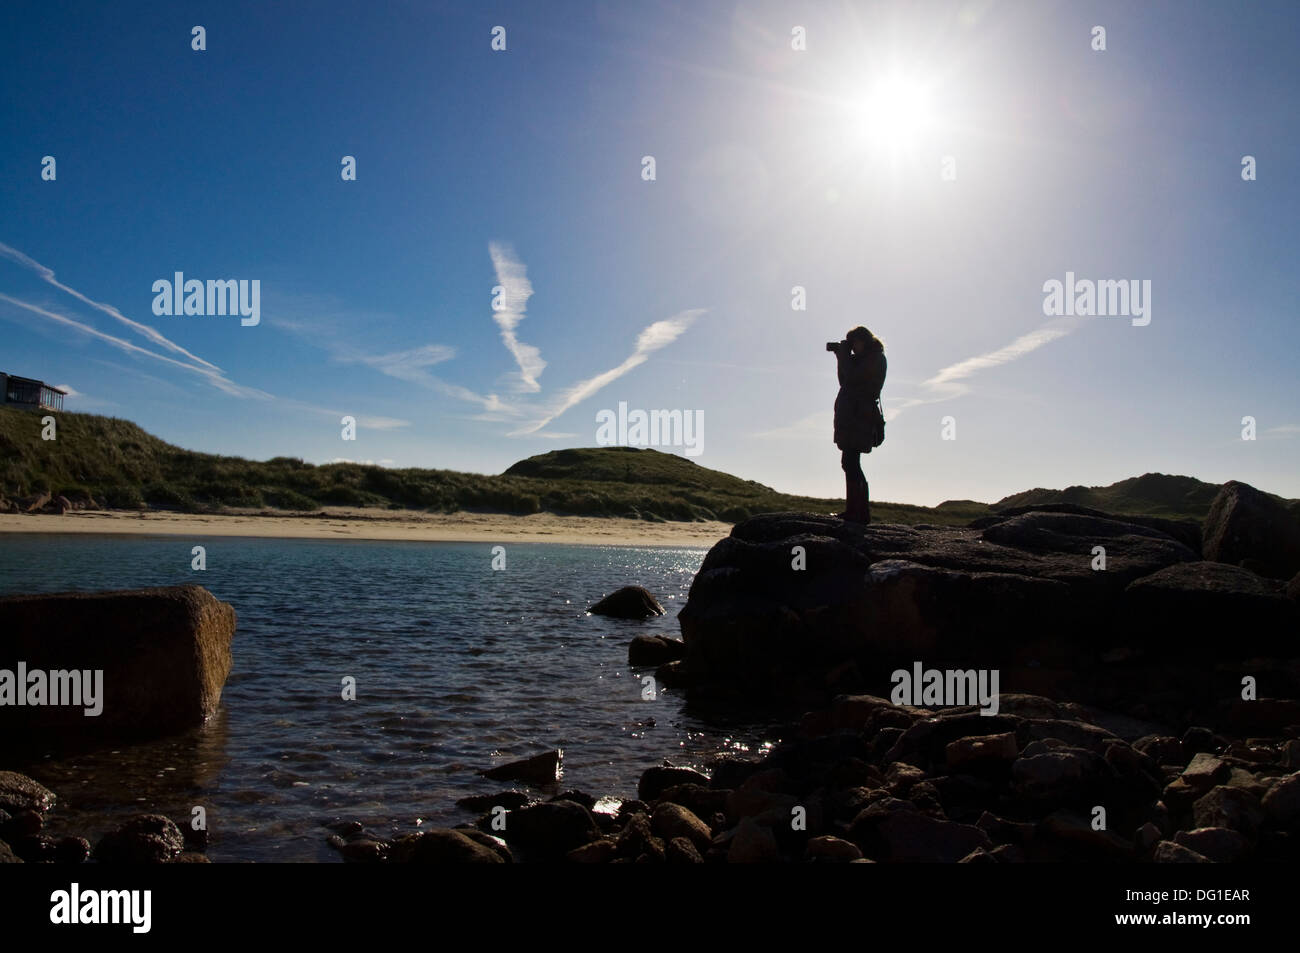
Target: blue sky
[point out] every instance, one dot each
(774, 168)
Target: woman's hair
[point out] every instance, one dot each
(873, 343)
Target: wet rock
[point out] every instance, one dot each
(441, 846)
(701, 801)
(630, 807)
(190, 857)
(7, 855)
(1169, 852)
(20, 793)
(71, 850)
(630, 602)
(655, 781)
(647, 650)
(364, 851)
(752, 843)
(36, 848)
(164, 654)
(597, 852)
(540, 770)
(577, 797)
(672, 820)
(1219, 844)
(680, 850)
(490, 841)
(144, 839)
(479, 803)
(635, 838)
(21, 824)
(552, 829)
(829, 849)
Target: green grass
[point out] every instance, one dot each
(119, 465)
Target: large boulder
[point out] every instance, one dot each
(1196, 605)
(800, 607)
(1246, 527)
(110, 666)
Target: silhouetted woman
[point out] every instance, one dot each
(859, 423)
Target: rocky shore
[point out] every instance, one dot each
(863, 780)
(1145, 673)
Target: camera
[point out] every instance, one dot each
(833, 346)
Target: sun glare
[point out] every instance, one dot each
(895, 112)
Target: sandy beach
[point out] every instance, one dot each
(347, 523)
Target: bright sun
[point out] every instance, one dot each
(895, 112)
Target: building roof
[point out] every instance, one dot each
(32, 380)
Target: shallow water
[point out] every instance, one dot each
(457, 667)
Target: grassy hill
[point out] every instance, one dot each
(1152, 494)
(119, 465)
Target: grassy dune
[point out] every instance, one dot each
(120, 466)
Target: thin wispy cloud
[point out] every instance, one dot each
(512, 277)
(213, 377)
(205, 370)
(152, 334)
(952, 381)
(656, 336)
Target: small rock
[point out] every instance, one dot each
(597, 852)
(752, 843)
(479, 803)
(680, 850)
(830, 849)
(1282, 803)
(657, 780)
(630, 602)
(1169, 852)
(552, 829)
(441, 846)
(1218, 844)
(20, 793)
(71, 850)
(144, 839)
(981, 751)
(672, 820)
(1229, 807)
(648, 650)
(541, 770)
(364, 851)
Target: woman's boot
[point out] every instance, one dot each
(850, 490)
(857, 511)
